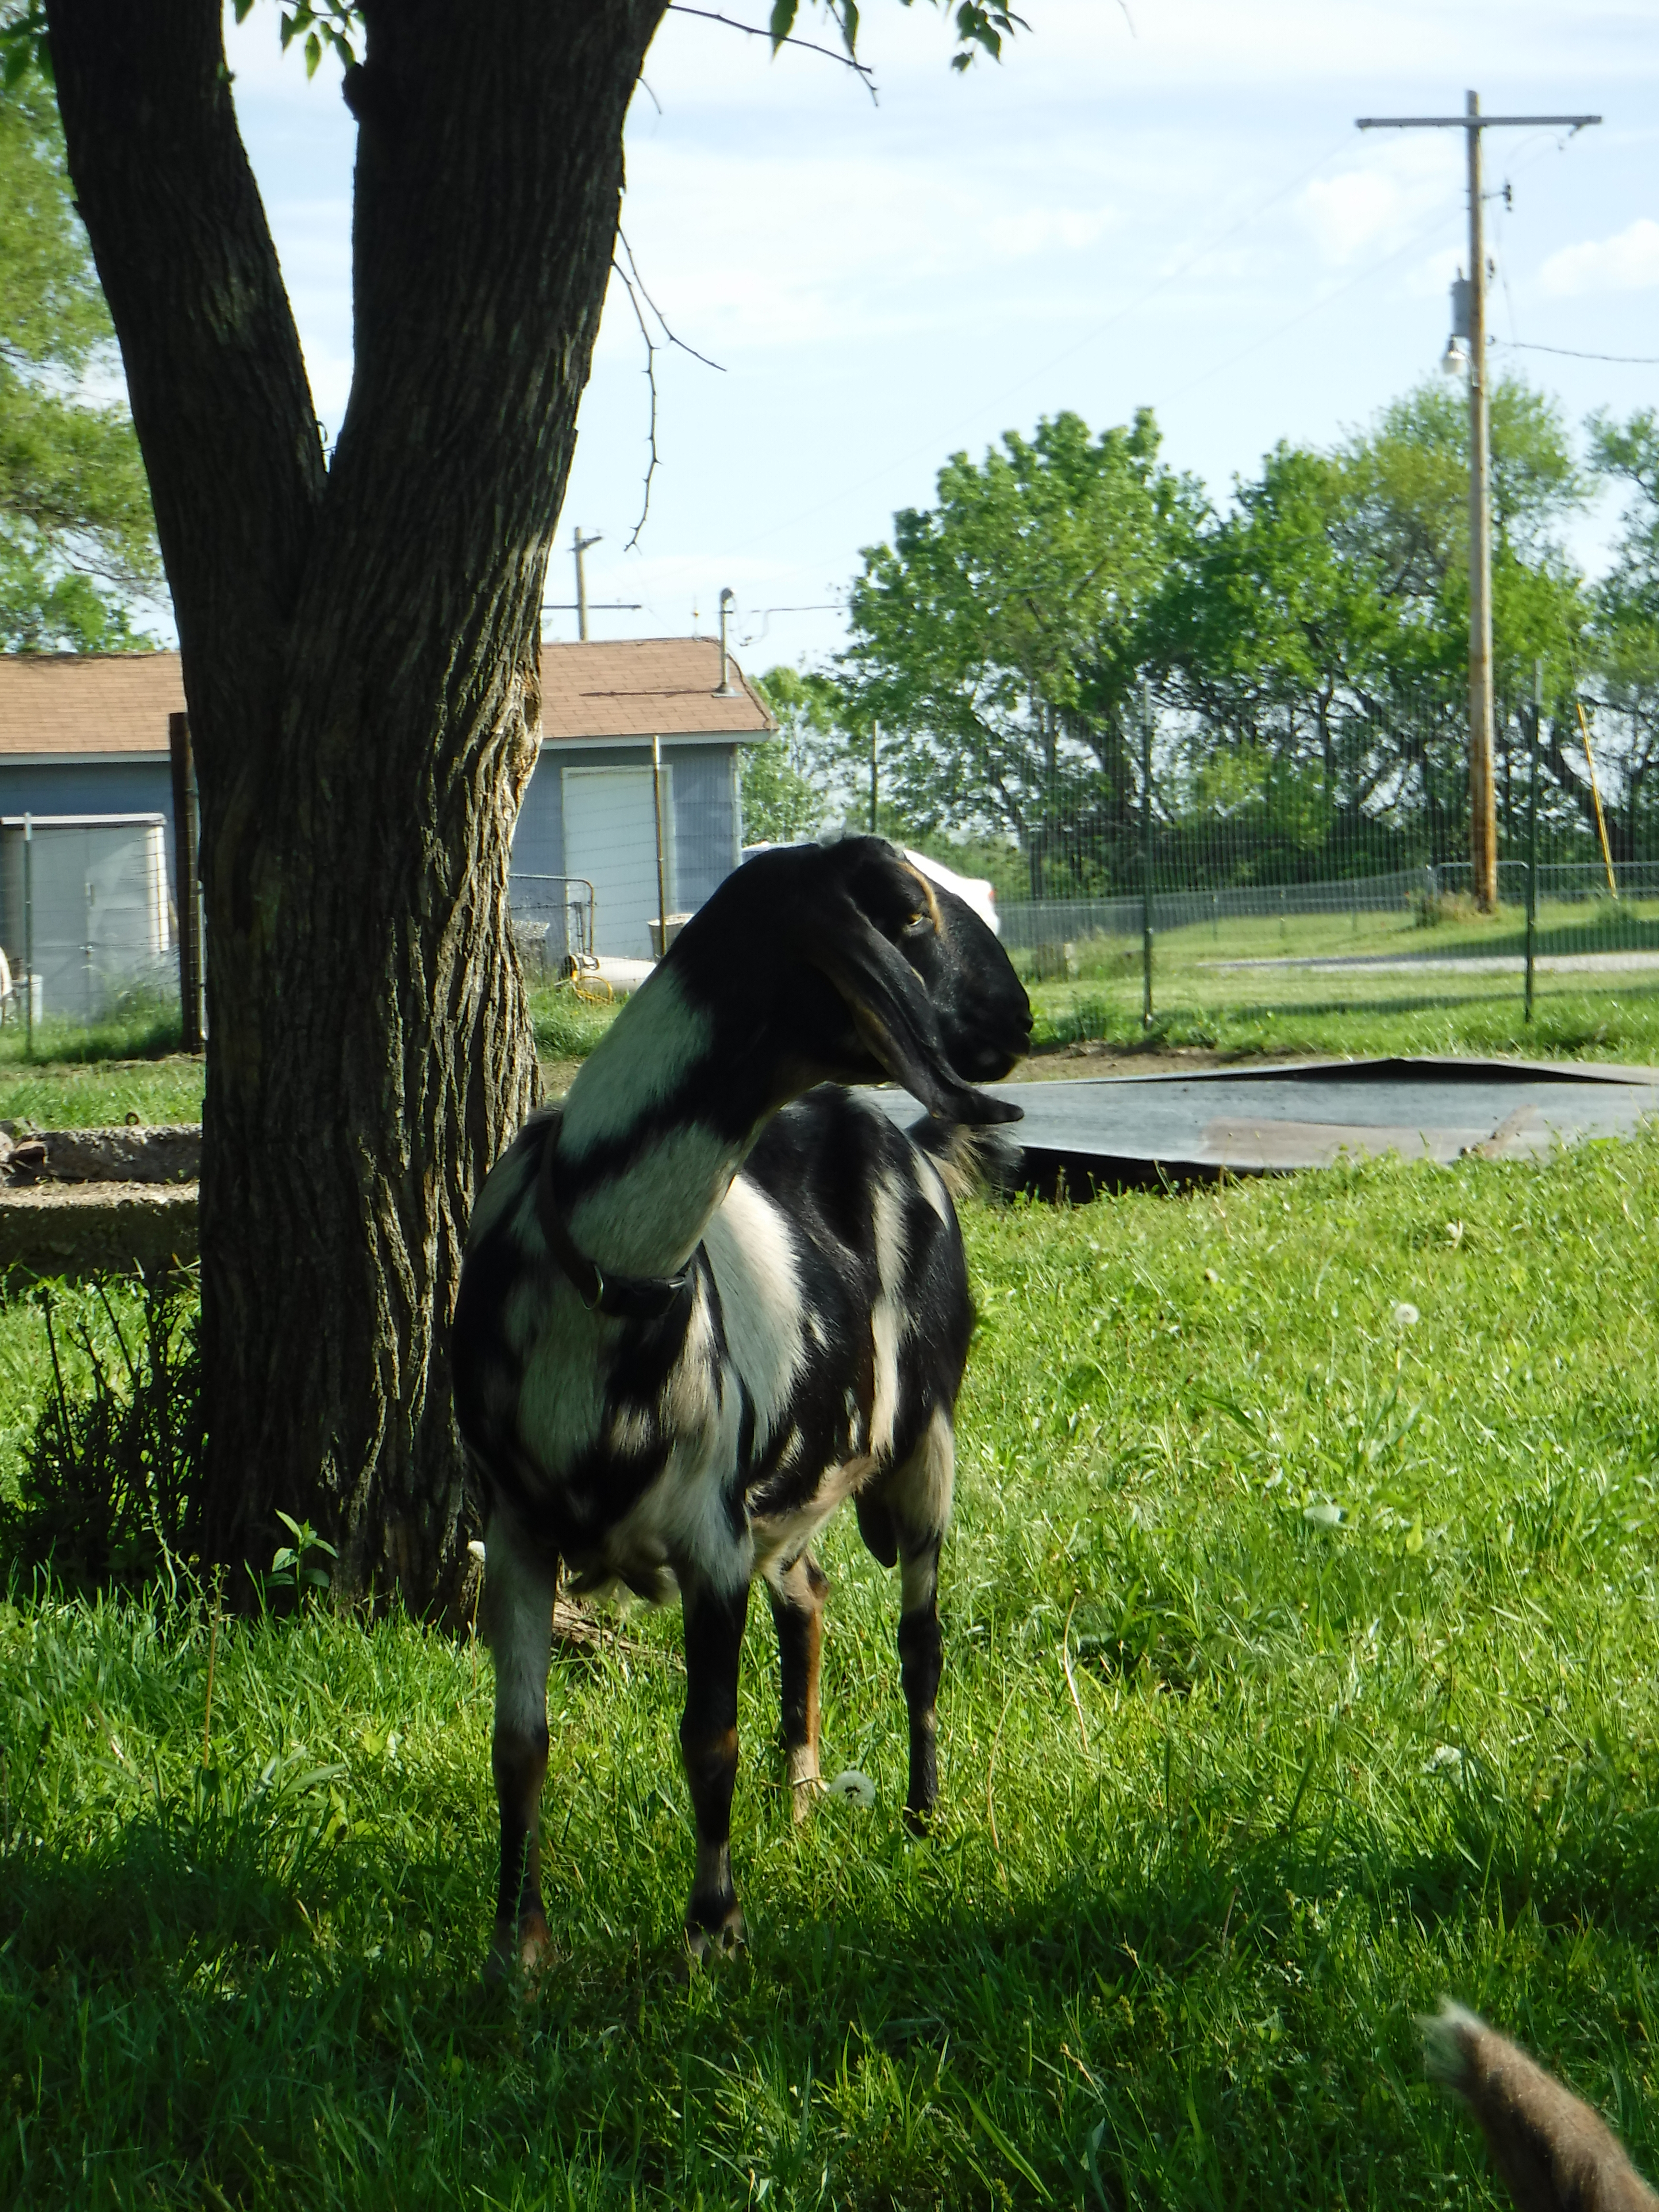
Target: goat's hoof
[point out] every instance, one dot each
(518, 1953)
(723, 1940)
(918, 1821)
(807, 1784)
(803, 1798)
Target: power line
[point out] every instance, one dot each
(1323, 300)
(1573, 353)
(1099, 330)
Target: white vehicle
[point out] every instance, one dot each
(977, 891)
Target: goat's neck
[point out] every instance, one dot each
(637, 1179)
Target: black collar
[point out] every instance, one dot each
(623, 1297)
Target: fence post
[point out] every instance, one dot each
(662, 872)
(185, 899)
(1532, 825)
(28, 934)
(1145, 854)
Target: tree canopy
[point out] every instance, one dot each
(78, 556)
(1305, 648)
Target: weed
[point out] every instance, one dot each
(110, 1491)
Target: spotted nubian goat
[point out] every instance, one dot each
(695, 1316)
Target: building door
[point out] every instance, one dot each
(611, 838)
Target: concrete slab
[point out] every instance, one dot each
(1124, 1132)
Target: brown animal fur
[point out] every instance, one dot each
(1555, 2153)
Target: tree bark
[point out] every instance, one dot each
(360, 654)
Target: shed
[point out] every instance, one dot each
(589, 815)
(84, 733)
(87, 734)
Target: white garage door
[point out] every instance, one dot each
(610, 837)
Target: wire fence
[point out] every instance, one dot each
(1185, 836)
(87, 930)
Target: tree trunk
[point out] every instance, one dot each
(359, 660)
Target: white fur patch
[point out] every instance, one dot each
(751, 1250)
(640, 1060)
(518, 1614)
(647, 1221)
(921, 1491)
(783, 1535)
(931, 1184)
(682, 1519)
(562, 1397)
(887, 1317)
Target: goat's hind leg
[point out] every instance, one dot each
(798, 1593)
(918, 1502)
(518, 1621)
(709, 1745)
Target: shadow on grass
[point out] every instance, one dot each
(1182, 2013)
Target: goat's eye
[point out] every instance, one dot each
(918, 923)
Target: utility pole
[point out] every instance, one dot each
(579, 545)
(1146, 854)
(1483, 813)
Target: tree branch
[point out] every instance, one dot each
(217, 382)
(861, 69)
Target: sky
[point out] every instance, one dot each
(1146, 203)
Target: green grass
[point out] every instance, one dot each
(69, 1077)
(1364, 1625)
(1201, 999)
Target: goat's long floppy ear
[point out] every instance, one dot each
(895, 1019)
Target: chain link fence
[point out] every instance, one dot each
(1318, 834)
(87, 930)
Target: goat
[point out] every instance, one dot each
(1555, 2153)
(713, 1296)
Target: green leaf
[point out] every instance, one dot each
(313, 53)
(783, 20)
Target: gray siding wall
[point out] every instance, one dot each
(706, 825)
(708, 832)
(91, 788)
(539, 836)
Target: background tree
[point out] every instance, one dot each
(359, 639)
(1318, 634)
(78, 556)
(786, 780)
(1000, 634)
(1307, 648)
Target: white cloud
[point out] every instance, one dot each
(1041, 229)
(1626, 263)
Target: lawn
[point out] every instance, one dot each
(1340, 1496)
(1223, 987)
(88, 1079)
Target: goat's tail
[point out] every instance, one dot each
(1554, 2153)
(969, 1157)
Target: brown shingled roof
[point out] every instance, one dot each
(645, 687)
(67, 704)
(70, 703)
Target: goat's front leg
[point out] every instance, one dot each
(709, 1745)
(797, 1594)
(518, 1619)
